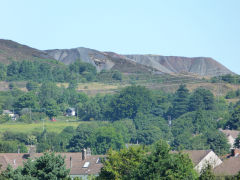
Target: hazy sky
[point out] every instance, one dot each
(190, 28)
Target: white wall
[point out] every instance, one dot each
(211, 158)
(231, 141)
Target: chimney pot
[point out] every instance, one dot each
(70, 162)
(84, 154)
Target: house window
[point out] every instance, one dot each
(86, 164)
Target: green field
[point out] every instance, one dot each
(28, 128)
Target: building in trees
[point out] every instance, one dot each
(201, 158)
(231, 136)
(230, 166)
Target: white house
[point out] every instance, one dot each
(201, 158)
(231, 136)
(70, 112)
(10, 114)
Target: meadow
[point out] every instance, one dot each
(38, 127)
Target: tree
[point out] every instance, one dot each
(200, 122)
(217, 141)
(117, 75)
(11, 147)
(130, 101)
(234, 121)
(149, 135)
(47, 91)
(135, 163)
(106, 138)
(180, 102)
(201, 99)
(51, 108)
(32, 86)
(27, 100)
(127, 129)
(99, 139)
(47, 167)
(3, 72)
(90, 111)
(122, 164)
(161, 164)
(207, 173)
(237, 142)
(82, 138)
(11, 86)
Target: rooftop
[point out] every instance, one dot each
(230, 166)
(73, 162)
(233, 133)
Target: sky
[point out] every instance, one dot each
(191, 28)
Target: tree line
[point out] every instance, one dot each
(54, 71)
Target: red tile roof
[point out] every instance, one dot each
(17, 159)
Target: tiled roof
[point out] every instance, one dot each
(17, 159)
(3, 162)
(233, 133)
(230, 166)
(196, 155)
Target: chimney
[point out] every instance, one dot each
(32, 151)
(89, 152)
(70, 162)
(84, 154)
(235, 152)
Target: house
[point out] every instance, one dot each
(231, 136)
(10, 114)
(70, 112)
(201, 158)
(230, 166)
(81, 164)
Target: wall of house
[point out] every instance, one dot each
(231, 141)
(211, 158)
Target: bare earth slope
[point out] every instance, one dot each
(199, 65)
(102, 60)
(12, 51)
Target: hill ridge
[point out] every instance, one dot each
(103, 60)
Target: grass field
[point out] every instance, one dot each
(28, 128)
(93, 88)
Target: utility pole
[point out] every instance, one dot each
(43, 125)
(76, 113)
(31, 114)
(170, 121)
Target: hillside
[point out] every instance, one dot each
(161, 64)
(10, 51)
(174, 64)
(102, 60)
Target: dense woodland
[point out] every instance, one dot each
(54, 71)
(186, 120)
